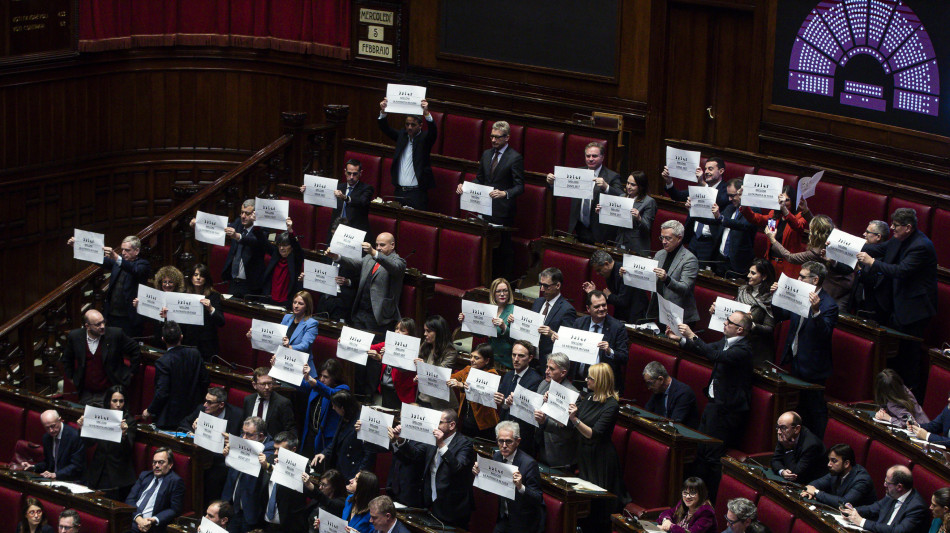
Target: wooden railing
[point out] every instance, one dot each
(30, 342)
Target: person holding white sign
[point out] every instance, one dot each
(205, 337)
(376, 305)
(629, 303)
(362, 488)
(500, 294)
(733, 237)
(758, 296)
(476, 420)
(583, 220)
(281, 277)
(411, 166)
(866, 300)
(346, 453)
(244, 266)
(111, 468)
(437, 350)
(525, 513)
(220, 513)
(559, 445)
(676, 272)
(285, 509)
(522, 352)
(301, 326)
(321, 422)
(242, 490)
(637, 238)
(167, 279)
(790, 225)
(808, 346)
(710, 175)
(352, 198)
(396, 385)
(158, 494)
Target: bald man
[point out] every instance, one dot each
(93, 358)
(63, 451)
(901, 510)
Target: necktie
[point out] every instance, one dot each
(144, 498)
(238, 504)
(272, 504)
(897, 507)
(801, 320)
(666, 409)
(55, 452)
(349, 189)
(585, 212)
(375, 268)
(260, 407)
(547, 307)
(515, 384)
(494, 162)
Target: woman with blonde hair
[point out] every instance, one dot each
(167, 279)
(501, 294)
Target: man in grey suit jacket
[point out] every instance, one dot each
(676, 272)
(376, 307)
(557, 442)
(583, 220)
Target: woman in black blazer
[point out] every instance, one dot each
(33, 517)
(111, 468)
(205, 337)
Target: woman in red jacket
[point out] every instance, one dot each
(396, 385)
(791, 225)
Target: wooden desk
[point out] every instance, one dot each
(422, 522)
(118, 514)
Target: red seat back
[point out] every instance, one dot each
(554, 509)
(52, 511)
(801, 526)
(437, 117)
(619, 438)
(827, 201)
(927, 482)
(543, 149)
(938, 385)
(216, 258)
(386, 190)
(529, 218)
(422, 239)
(731, 488)
(304, 222)
(939, 330)
(860, 207)
(236, 396)
(93, 523)
(839, 433)
(737, 170)
(370, 165)
(662, 215)
(923, 212)
(853, 372)
(574, 149)
(443, 199)
(759, 435)
(788, 179)
(770, 513)
(11, 500)
(576, 270)
(407, 301)
(33, 430)
(941, 240)
(484, 520)
(880, 458)
(634, 386)
(697, 377)
(705, 297)
(460, 274)
(380, 224)
(11, 420)
(647, 479)
(384, 462)
(324, 348)
(461, 136)
(235, 346)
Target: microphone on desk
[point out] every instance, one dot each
(322, 314)
(400, 199)
(223, 360)
(407, 256)
(249, 299)
(732, 274)
(220, 283)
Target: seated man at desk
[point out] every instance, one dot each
(799, 453)
(671, 397)
(845, 482)
(63, 451)
(157, 495)
(524, 514)
(901, 510)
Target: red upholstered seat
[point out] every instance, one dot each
(141, 457)
(51, 509)
(437, 117)
(11, 420)
(33, 430)
(323, 217)
(924, 212)
(370, 165)
(853, 367)
(10, 500)
(662, 215)
(442, 199)
(304, 222)
(515, 138)
(634, 387)
(697, 377)
(236, 396)
(216, 258)
(801, 526)
(770, 513)
(146, 387)
(760, 244)
(562, 213)
(576, 270)
(574, 149)
(543, 149)
(380, 224)
(880, 458)
(758, 433)
(461, 136)
(386, 190)
(323, 348)
(95, 523)
(730, 488)
(941, 241)
(939, 330)
(827, 201)
(554, 509)
(938, 385)
(839, 433)
(529, 219)
(789, 179)
(407, 301)
(483, 521)
(183, 468)
(384, 462)
(423, 240)
(619, 437)
(927, 481)
(235, 346)
(860, 207)
(737, 170)
(462, 275)
(647, 477)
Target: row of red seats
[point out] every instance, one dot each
(12, 500)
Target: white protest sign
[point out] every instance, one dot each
(87, 246)
(319, 190)
(682, 164)
(348, 242)
(207, 526)
(807, 185)
(374, 426)
(844, 247)
(242, 455)
(330, 523)
(615, 211)
(475, 198)
(418, 423)
(724, 309)
(185, 308)
(761, 191)
(210, 228)
(524, 325)
(150, 302)
(288, 365)
(289, 468)
(559, 399)
(404, 99)
(102, 424)
(638, 272)
(433, 380)
(574, 183)
(481, 387)
(354, 344)
(209, 432)
(496, 477)
(478, 317)
(792, 295)
(267, 336)
(320, 277)
(524, 403)
(578, 344)
(401, 351)
(271, 213)
(670, 313)
(701, 201)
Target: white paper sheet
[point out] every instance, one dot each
(559, 399)
(496, 477)
(354, 344)
(374, 426)
(615, 211)
(670, 313)
(432, 380)
(320, 277)
(348, 242)
(418, 423)
(525, 324)
(404, 99)
(524, 403)
(150, 303)
(475, 198)
(320, 190)
(579, 345)
(242, 455)
(701, 200)
(792, 295)
(725, 308)
(102, 424)
(88, 245)
(401, 351)
(207, 526)
(288, 365)
(482, 387)
(289, 468)
(844, 247)
(267, 336)
(478, 317)
(761, 191)
(185, 308)
(330, 523)
(807, 185)
(682, 164)
(210, 228)
(271, 213)
(574, 183)
(209, 432)
(639, 272)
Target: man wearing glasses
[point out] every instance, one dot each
(901, 510)
(670, 398)
(525, 513)
(352, 198)
(216, 405)
(799, 454)
(583, 220)
(241, 490)
(555, 309)
(808, 345)
(272, 407)
(868, 299)
(411, 168)
(93, 358)
(740, 514)
(157, 495)
(909, 262)
(69, 521)
(676, 273)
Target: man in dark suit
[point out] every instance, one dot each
(583, 220)
(736, 237)
(244, 266)
(448, 466)
(522, 352)
(382, 515)
(157, 495)
(275, 409)
(676, 272)
(845, 482)
(285, 510)
(711, 176)
(93, 358)
(901, 510)
(215, 404)
(411, 167)
(525, 513)
(556, 309)
(799, 453)
(630, 304)
(869, 296)
(729, 391)
(63, 452)
(808, 345)
(180, 376)
(909, 261)
(613, 349)
(352, 198)
(556, 442)
(502, 168)
(671, 397)
(244, 491)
